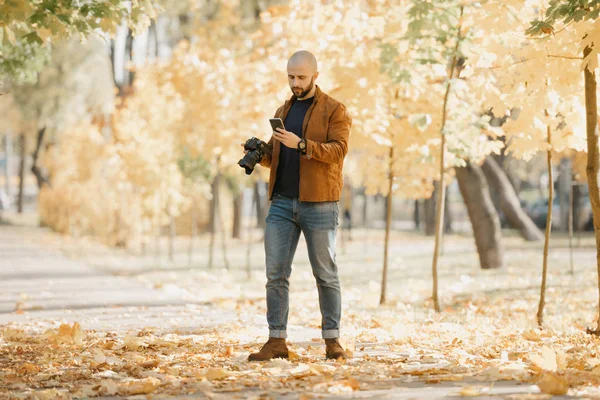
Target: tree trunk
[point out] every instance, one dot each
(8, 151)
(416, 215)
(261, 214)
(365, 210)
(429, 211)
(184, 26)
(113, 63)
(129, 72)
(540, 312)
(255, 199)
(236, 232)
(570, 222)
(483, 215)
(23, 148)
(442, 190)
(157, 239)
(593, 162)
(194, 232)
(152, 44)
(447, 215)
(171, 237)
(37, 171)
(509, 202)
(223, 238)
(212, 224)
(388, 223)
(564, 189)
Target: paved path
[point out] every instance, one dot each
(40, 284)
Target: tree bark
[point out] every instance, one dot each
(442, 190)
(194, 232)
(388, 223)
(365, 210)
(483, 215)
(509, 201)
(593, 162)
(540, 312)
(564, 189)
(37, 171)
(129, 69)
(429, 211)
(8, 151)
(416, 215)
(570, 222)
(261, 214)
(255, 199)
(447, 215)
(236, 232)
(212, 224)
(223, 238)
(113, 64)
(23, 149)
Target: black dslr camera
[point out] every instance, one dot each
(257, 149)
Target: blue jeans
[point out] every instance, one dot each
(318, 222)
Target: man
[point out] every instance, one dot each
(304, 186)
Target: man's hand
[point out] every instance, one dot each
(288, 139)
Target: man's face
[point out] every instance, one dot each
(301, 78)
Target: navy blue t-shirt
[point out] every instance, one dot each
(287, 182)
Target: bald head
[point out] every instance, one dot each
(303, 58)
(302, 73)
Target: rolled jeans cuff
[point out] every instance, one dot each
(278, 334)
(331, 334)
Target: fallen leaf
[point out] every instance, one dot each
(14, 335)
(351, 383)
(28, 369)
(547, 360)
(553, 384)
(66, 334)
(134, 343)
(469, 391)
(217, 374)
(138, 386)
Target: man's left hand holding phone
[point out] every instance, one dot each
(286, 138)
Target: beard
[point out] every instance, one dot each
(304, 92)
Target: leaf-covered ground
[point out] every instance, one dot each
(485, 343)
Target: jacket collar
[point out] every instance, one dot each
(318, 94)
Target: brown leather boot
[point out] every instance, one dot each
(334, 350)
(274, 348)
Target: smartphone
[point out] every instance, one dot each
(276, 123)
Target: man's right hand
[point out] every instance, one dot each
(245, 151)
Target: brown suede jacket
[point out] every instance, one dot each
(326, 128)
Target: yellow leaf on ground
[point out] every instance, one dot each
(554, 384)
(547, 361)
(348, 346)
(292, 355)
(351, 383)
(469, 391)
(66, 334)
(139, 386)
(134, 343)
(217, 374)
(14, 335)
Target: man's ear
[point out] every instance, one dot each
(316, 75)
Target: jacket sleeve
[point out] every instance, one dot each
(268, 158)
(335, 148)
